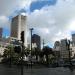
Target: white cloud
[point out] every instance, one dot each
(4, 22)
(58, 19)
(10, 8)
(3, 18)
(51, 22)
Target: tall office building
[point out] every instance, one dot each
(57, 46)
(73, 39)
(36, 40)
(56, 49)
(1, 31)
(18, 24)
(64, 52)
(73, 44)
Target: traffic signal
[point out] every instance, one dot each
(17, 49)
(22, 36)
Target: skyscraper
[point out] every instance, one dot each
(64, 52)
(57, 45)
(36, 40)
(18, 24)
(1, 31)
(73, 39)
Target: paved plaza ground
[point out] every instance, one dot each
(14, 70)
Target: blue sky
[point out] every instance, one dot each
(6, 32)
(51, 19)
(36, 5)
(40, 4)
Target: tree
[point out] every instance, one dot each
(36, 53)
(47, 51)
(26, 51)
(17, 49)
(10, 55)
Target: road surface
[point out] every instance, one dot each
(6, 70)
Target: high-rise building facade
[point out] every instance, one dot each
(36, 40)
(56, 50)
(1, 31)
(73, 39)
(18, 24)
(57, 46)
(64, 52)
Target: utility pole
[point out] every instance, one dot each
(22, 51)
(10, 56)
(31, 29)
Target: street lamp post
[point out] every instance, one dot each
(10, 56)
(31, 29)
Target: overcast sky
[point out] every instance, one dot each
(51, 19)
